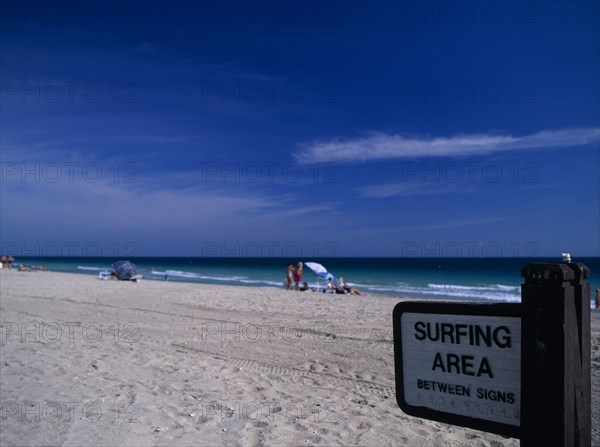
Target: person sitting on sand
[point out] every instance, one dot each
(298, 276)
(333, 286)
(22, 268)
(306, 288)
(348, 288)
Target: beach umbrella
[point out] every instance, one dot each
(321, 272)
(317, 269)
(125, 269)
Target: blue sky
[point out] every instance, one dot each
(300, 128)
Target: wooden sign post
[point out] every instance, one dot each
(519, 370)
(556, 374)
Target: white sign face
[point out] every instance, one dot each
(463, 364)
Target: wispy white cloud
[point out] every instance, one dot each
(423, 226)
(387, 190)
(152, 207)
(382, 146)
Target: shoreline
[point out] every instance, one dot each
(156, 363)
(433, 288)
(491, 280)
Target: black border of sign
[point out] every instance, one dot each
(445, 307)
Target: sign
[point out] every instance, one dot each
(460, 363)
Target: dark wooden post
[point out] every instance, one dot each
(555, 359)
(580, 355)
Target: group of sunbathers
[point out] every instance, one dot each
(341, 287)
(7, 262)
(294, 276)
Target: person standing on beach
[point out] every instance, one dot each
(289, 276)
(298, 276)
(9, 261)
(597, 307)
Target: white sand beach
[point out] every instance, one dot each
(87, 362)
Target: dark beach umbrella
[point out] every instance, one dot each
(125, 269)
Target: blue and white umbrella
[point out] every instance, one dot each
(317, 269)
(320, 271)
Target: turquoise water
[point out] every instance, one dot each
(476, 279)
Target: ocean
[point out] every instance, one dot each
(472, 279)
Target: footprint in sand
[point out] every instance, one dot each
(360, 425)
(228, 370)
(321, 431)
(317, 367)
(299, 427)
